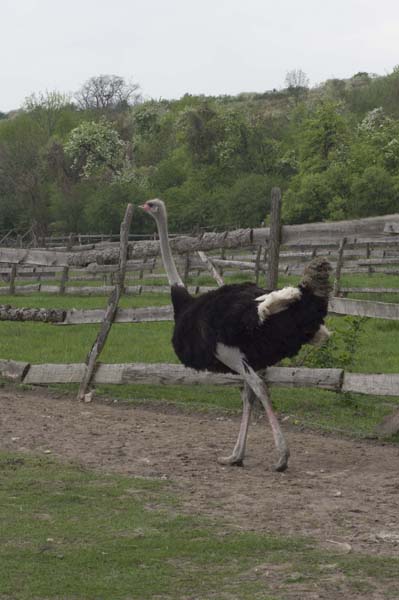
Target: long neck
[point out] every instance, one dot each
(167, 258)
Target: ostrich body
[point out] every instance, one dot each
(241, 329)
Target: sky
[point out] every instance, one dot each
(173, 47)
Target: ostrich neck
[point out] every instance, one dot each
(167, 258)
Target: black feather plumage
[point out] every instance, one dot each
(229, 315)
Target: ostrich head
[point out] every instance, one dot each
(156, 208)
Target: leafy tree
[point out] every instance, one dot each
(48, 109)
(202, 130)
(23, 177)
(307, 198)
(373, 192)
(95, 149)
(324, 134)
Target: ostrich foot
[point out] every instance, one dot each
(232, 461)
(282, 463)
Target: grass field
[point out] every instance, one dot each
(74, 534)
(69, 533)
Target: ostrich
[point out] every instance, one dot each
(241, 329)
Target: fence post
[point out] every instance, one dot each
(13, 276)
(257, 264)
(186, 268)
(112, 307)
(368, 254)
(340, 262)
(141, 272)
(211, 268)
(65, 270)
(274, 239)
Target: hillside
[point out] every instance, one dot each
(333, 149)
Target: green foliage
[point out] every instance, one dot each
(94, 147)
(334, 151)
(339, 351)
(373, 193)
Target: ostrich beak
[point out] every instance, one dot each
(143, 207)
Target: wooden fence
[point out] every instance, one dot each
(337, 306)
(302, 241)
(335, 380)
(363, 246)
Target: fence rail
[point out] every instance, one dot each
(338, 306)
(168, 374)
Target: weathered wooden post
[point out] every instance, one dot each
(340, 262)
(13, 275)
(368, 254)
(274, 239)
(141, 273)
(112, 307)
(257, 264)
(211, 268)
(186, 268)
(65, 270)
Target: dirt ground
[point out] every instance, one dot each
(338, 491)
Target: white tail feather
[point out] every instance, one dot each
(277, 301)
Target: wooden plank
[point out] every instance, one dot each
(238, 264)
(51, 289)
(123, 315)
(33, 257)
(334, 231)
(13, 370)
(21, 289)
(55, 373)
(164, 374)
(328, 379)
(140, 373)
(369, 290)
(93, 290)
(378, 261)
(371, 384)
(167, 374)
(364, 308)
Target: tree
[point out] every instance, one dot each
(96, 149)
(373, 193)
(48, 109)
(297, 83)
(323, 134)
(23, 176)
(107, 92)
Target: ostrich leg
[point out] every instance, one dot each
(237, 456)
(235, 360)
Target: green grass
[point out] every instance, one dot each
(70, 533)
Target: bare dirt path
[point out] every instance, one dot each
(339, 491)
